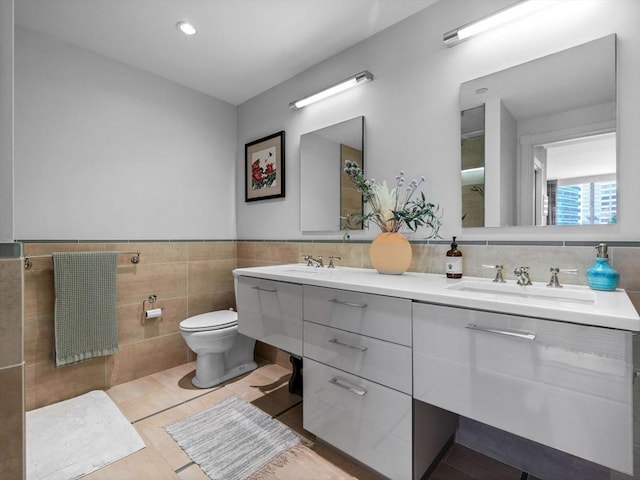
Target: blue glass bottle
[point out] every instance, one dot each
(602, 276)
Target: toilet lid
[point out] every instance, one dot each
(210, 321)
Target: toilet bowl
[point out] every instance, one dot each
(222, 352)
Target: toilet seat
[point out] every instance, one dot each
(210, 321)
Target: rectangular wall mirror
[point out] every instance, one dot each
(326, 194)
(538, 141)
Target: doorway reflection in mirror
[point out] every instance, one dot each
(472, 173)
(327, 196)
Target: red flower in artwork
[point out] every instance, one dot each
(262, 177)
(256, 172)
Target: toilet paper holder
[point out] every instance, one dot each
(151, 313)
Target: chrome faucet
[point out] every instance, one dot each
(522, 274)
(313, 262)
(554, 282)
(331, 259)
(499, 268)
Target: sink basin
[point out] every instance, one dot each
(304, 269)
(573, 294)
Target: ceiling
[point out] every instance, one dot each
(242, 48)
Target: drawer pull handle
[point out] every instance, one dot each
(338, 382)
(355, 347)
(509, 333)
(349, 304)
(261, 289)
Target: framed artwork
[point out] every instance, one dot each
(264, 168)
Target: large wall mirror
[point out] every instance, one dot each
(538, 141)
(326, 194)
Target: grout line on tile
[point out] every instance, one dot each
(213, 389)
(287, 409)
(175, 405)
(184, 467)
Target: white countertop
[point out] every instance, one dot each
(572, 303)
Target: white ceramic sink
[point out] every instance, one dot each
(301, 268)
(569, 294)
(306, 270)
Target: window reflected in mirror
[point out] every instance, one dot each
(576, 181)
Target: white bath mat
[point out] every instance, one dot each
(75, 437)
(233, 439)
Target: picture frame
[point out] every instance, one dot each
(264, 168)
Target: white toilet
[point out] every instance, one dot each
(222, 352)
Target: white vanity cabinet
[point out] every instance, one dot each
(357, 380)
(270, 311)
(391, 361)
(564, 385)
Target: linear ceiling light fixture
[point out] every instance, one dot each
(353, 81)
(495, 19)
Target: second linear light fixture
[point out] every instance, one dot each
(495, 19)
(357, 79)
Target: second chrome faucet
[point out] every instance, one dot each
(499, 268)
(522, 276)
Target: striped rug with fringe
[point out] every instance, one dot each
(234, 440)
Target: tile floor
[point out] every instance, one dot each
(161, 399)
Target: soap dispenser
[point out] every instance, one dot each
(602, 276)
(454, 261)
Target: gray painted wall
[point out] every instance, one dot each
(411, 112)
(106, 151)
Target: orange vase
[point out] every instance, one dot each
(390, 253)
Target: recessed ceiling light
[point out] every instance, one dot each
(186, 28)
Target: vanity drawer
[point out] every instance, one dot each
(383, 362)
(271, 312)
(564, 385)
(378, 316)
(370, 422)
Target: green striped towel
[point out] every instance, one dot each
(85, 312)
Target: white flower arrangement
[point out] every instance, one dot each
(391, 208)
